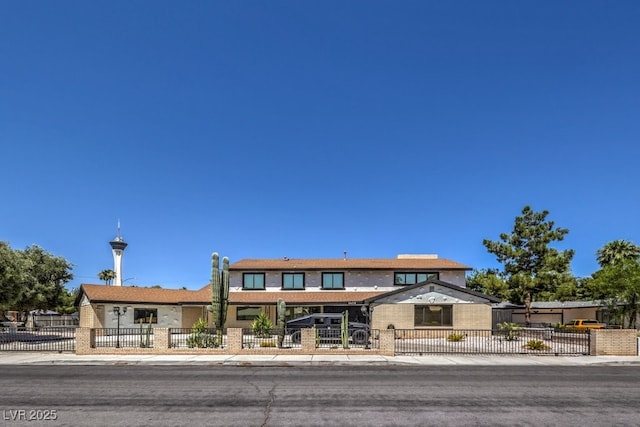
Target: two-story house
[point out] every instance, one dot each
(407, 291)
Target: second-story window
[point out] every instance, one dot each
(413, 278)
(292, 280)
(332, 280)
(253, 281)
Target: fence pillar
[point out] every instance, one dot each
(160, 339)
(85, 340)
(234, 340)
(613, 342)
(308, 340)
(387, 342)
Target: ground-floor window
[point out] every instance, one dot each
(433, 315)
(145, 315)
(247, 313)
(295, 312)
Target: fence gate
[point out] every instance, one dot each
(50, 338)
(543, 341)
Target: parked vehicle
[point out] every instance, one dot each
(583, 324)
(329, 328)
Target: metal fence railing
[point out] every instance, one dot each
(124, 337)
(37, 339)
(269, 339)
(48, 321)
(325, 338)
(195, 338)
(470, 341)
(356, 338)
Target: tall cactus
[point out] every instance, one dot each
(216, 304)
(281, 310)
(224, 296)
(219, 293)
(344, 329)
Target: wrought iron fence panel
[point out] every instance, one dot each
(124, 337)
(270, 339)
(497, 341)
(355, 338)
(196, 338)
(37, 339)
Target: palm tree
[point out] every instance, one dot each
(107, 276)
(617, 251)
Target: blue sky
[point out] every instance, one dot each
(304, 129)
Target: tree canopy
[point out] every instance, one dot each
(617, 283)
(107, 276)
(617, 251)
(532, 269)
(489, 282)
(32, 278)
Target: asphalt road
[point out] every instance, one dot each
(320, 395)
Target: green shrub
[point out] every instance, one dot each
(262, 326)
(269, 343)
(200, 336)
(455, 337)
(509, 330)
(536, 345)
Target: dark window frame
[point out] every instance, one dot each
(144, 313)
(424, 315)
(429, 275)
(247, 317)
(293, 275)
(323, 285)
(253, 288)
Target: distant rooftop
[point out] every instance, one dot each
(419, 256)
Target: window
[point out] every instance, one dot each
(145, 315)
(253, 281)
(292, 280)
(247, 313)
(332, 280)
(433, 315)
(413, 278)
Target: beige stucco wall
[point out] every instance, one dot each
(401, 316)
(472, 316)
(91, 315)
(190, 315)
(232, 316)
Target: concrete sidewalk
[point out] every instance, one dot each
(43, 358)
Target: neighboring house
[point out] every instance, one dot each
(546, 313)
(167, 308)
(307, 286)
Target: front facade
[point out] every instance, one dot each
(379, 291)
(328, 285)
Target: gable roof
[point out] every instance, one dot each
(288, 264)
(135, 295)
(435, 282)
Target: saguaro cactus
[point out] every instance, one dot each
(281, 310)
(215, 289)
(344, 329)
(219, 293)
(224, 293)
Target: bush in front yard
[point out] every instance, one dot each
(536, 345)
